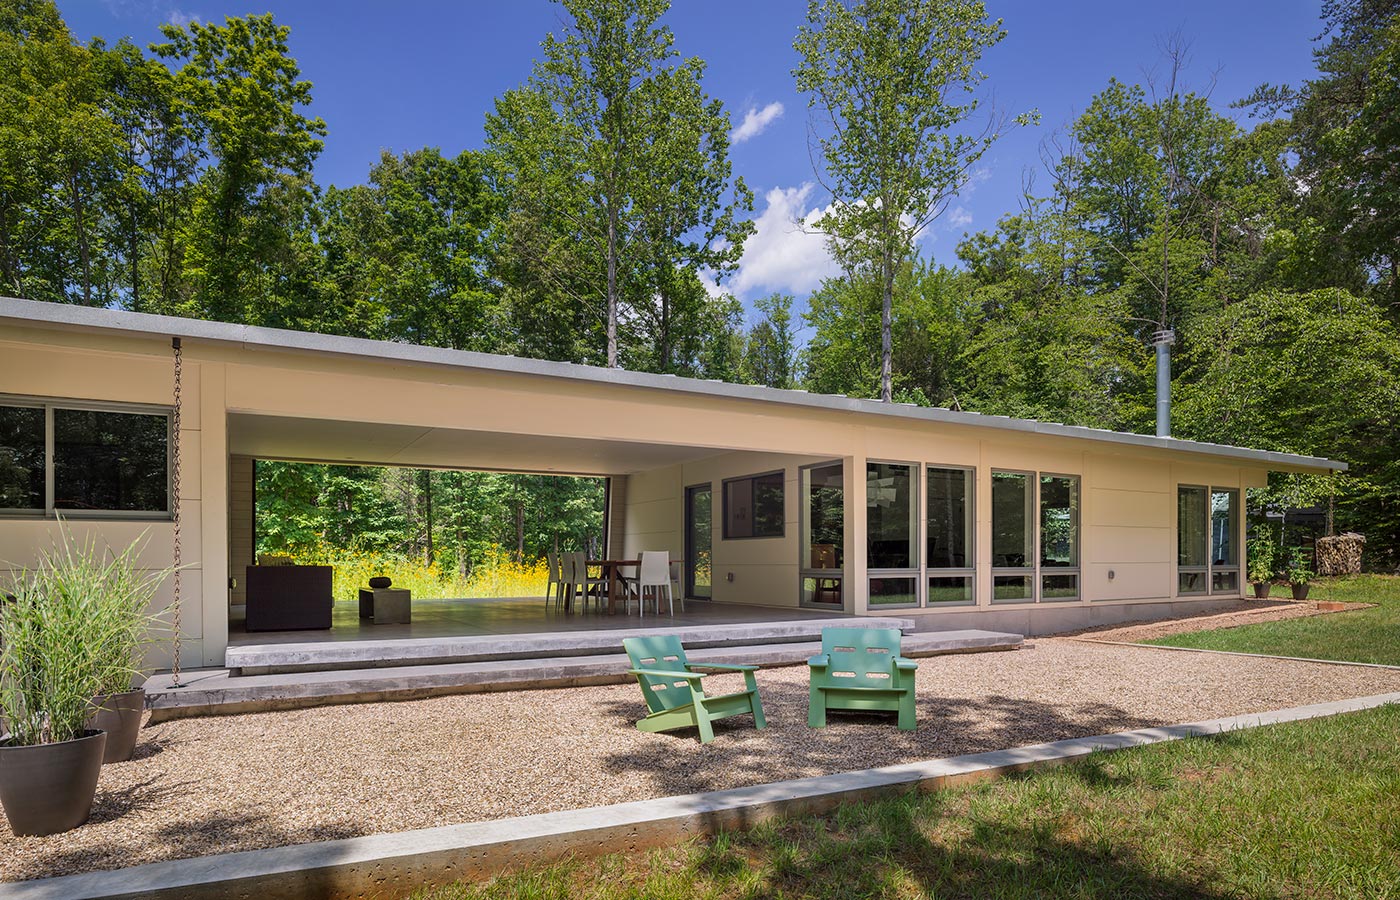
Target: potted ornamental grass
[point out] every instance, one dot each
(64, 641)
(1263, 557)
(1299, 573)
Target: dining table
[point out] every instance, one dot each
(612, 573)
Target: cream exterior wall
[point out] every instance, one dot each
(1127, 493)
(100, 373)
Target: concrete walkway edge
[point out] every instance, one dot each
(1301, 659)
(393, 865)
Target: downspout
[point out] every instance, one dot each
(1163, 341)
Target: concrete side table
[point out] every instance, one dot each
(386, 606)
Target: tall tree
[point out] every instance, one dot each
(892, 84)
(613, 151)
(254, 202)
(770, 350)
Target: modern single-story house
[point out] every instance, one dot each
(827, 502)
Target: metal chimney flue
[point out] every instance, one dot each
(1163, 341)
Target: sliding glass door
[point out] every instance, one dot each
(699, 541)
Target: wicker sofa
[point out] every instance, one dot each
(288, 598)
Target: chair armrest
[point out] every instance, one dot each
(819, 662)
(905, 663)
(665, 673)
(725, 666)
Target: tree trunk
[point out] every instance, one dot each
(612, 285)
(80, 229)
(519, 530)
(428, 515)
(886, 316)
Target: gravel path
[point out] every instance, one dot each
(201, 786)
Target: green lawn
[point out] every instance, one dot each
(1300, 810)
(1371, 635)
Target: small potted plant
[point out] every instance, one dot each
(123, 627)
(1263, 554)
(1299, 573)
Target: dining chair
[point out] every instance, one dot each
(554, 587)
(591, 587)
(567, 581)
(654, 572)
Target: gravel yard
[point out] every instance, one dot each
(201, 786)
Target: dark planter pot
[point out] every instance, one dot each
(1261, 590)
(1300, 591)
(49, 788)
(120, 716)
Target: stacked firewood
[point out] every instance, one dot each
(1340, 554)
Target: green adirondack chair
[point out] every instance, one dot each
(861, 669)
(674, 693)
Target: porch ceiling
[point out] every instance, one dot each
(369, 443)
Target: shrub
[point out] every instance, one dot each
(74, 631)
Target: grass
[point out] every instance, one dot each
(498, 575)
(1371, 635)
(1300, 810)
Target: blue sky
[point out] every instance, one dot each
(403, 75)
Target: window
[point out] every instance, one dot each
(1035, 558)
(102, 460)
(823, 552)
(753, 506)
(1191, 565)
(22, 458)
(892, 533)
(698, 543)
(1207, 540)
(948, 543)
(1012, 563)
(1059, 537)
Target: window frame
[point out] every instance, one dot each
(914, 572)
(1032, 518)
(967, 572)
(1043, 571)
(724, 495)
(49, 405)
(1209, 570)
(805, 570)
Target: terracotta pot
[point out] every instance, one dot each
(1300, 591)
(1261, 590)
(120, 716)
(49, 788)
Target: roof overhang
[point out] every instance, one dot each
(256, 338)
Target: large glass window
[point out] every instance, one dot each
(103, 460)
(948, 542)
(1059, 537)
(109, 460)
(753, 506)
(22, 458)
(1191, 523)
(1207, 540)
(699, 541)
(891, 515)
(892, 529)
(823, 524)
(1012, 524)
(1224, 536)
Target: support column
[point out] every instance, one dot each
(214, 544)
(853, 483)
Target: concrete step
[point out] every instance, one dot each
(331, 655)
(218, 692)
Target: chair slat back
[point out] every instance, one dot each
(580, 567)
(553, 562)
(861, 657)
(664, 652)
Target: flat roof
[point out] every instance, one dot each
(62, 315)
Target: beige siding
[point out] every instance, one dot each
(240, 525)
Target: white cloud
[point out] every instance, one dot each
(755, 121)
(959, 217)
(177, 17)
(785, 252)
